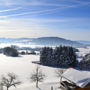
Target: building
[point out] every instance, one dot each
(76, 79)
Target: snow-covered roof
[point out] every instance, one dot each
(80, 78)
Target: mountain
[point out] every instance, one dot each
(55, 41)
(85, 42)
(49, 41)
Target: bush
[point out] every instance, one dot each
(10, 52)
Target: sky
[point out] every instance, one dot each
(68, 19)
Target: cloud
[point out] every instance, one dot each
(58, 20)
(36, 27)
(4, 21)
(50, 3)
(9, 10)
(21, 28)
(43, 12)
(39, 3)
(56, 3)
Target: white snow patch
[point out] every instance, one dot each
(23, 67)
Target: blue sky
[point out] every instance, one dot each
(69, 19)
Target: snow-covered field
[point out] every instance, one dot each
(23, 67)
(84, 51)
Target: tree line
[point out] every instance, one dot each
(13, 52)
(62, 56)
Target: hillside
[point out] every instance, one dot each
(49, 41)
(55, 41)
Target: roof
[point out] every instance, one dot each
(86, 88)
(80, 78)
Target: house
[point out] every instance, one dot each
(76, 79)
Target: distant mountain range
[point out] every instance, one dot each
(56, 41)
(49, 41)
(85, 42)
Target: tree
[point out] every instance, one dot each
(37, 76)
(46, 56)
(62, 56)
(59, 73)
(1, 86)
(23, 53)
(85, 62)
(10, 51)
(10, 80)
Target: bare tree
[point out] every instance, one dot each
(37, 76)
(1, 86)
(59, 73)
(10, 80)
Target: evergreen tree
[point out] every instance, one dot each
(46, 55)
(85, 62)
(63, 56)
(10, 51)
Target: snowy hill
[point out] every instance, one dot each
(43, 41)
(56, 41)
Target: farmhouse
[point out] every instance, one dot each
(76, 80)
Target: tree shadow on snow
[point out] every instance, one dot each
(53, 66)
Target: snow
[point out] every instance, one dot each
(2, 45)
(44, 86)
(23, 67)
(80, 78)
(83, 51)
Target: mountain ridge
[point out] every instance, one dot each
(57, 41)
(52, 41)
